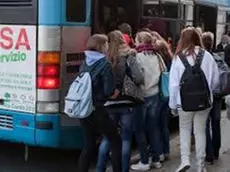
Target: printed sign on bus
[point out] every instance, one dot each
(18, 68)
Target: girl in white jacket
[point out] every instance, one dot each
(189, 44)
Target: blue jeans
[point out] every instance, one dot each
(124, 118)
(214, 139)
(146, 119)
(164, 112)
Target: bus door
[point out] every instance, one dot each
(76, 30)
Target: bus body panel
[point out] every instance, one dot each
(52, 33)
(21, 129)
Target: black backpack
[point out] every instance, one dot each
(194, 89)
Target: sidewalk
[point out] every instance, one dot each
(222, 165)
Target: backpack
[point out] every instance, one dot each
(223, 88)
(79, 100)
(194, 89)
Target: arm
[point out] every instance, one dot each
(174, 84)
(120, 72)
(215, 75)
(108, 80)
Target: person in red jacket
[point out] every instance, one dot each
(126, 30)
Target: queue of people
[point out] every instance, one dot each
(127, 96)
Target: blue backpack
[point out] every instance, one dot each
(79, 100)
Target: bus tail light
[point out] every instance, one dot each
(49, 57)
(47, 107)
(48, 83)
(48, 70)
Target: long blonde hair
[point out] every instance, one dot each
(117, 46)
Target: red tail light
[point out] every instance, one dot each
(48, 83)
(48, 70)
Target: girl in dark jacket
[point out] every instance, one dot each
(103, 87)
(119, 107)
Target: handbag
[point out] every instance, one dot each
(164, 79)
(131, 90)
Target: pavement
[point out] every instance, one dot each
(53, 160)
(222, 165)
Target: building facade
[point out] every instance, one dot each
(169, 17)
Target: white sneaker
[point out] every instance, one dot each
(162, 158)
(156, 165)
(140, 167)
(183, 167)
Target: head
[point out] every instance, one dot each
(157, 36)
(145, 29)
(225, 39)
(207, 40)
(116, 46)
(199, 30)
(163, 49)
(188, 40)
(144, 38)
(98, 42)
(125, 28)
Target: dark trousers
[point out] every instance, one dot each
(99, 123)
(213, 131)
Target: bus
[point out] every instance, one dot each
(41, 49)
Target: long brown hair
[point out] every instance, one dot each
(188, 40)
(116, 45)
(163, 49)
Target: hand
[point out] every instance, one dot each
(174, 111)
(116, 94)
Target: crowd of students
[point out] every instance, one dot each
(126, 76)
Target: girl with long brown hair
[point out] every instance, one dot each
(164, 51)
(120, 107)
(189, 47)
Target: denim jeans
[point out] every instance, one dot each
(164, 112)
(213, 126)
(146, 119)
(99, 123)
(124, 118)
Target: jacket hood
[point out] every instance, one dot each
(92, 57)
(126, 50)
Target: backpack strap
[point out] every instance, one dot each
(200, 56)
(184, 60)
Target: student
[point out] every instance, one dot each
(121, 109)
(213, 123)
(163, 49)
(103, 88)
(126, 30)
(189, 53)
(146, 116)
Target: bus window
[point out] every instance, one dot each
(76, 11)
